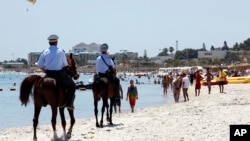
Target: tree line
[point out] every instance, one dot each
(190, 53)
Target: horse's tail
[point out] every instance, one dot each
(26, 88)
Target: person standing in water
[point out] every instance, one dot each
(165, 84)
(132, 95)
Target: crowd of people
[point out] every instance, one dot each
(53, 61)
(181, 82)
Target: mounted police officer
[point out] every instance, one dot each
(104, 63)
(104, 67)
(53, 62)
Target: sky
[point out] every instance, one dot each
(132, 25)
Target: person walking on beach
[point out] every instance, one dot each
(222, 80)
(165, 84)
(192, 75)
(53, 62)
(210, 77)
(132, 95)
(185, 85)
(177, 87)
(198, 79)
(118, 98)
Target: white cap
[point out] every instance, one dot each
(53, 38)
(104, 47)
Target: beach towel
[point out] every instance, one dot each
(132, 96)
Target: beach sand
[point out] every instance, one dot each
(203, 118)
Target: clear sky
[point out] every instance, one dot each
(133, 25)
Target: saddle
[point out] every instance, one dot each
(101, 79)
(51, 84)
(107, 81)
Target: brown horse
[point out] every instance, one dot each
(104, 89)
(46, 91)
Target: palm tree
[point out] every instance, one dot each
(165, 51)
(171, 49)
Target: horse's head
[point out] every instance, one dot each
(71, 68)
(113, 71)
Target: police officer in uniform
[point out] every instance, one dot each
(53, 62)
(103, 65)
(103, 62)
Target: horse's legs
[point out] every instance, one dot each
(107, 107)
(53, 119)
(63, 121)
(35, 120)
(112, 101)
(72, 122)
(96, 112)
(104, 104)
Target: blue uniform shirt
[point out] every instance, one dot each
(52, 58)
(101, 66)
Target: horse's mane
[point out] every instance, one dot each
(71, 69)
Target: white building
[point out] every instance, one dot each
(82, 47)
(219, 54)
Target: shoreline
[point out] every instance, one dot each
(206, 117)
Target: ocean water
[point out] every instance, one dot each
(13, 114)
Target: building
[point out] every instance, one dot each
(86, 54)
(161, 59)
(33, 58)
(210, 55)
(82, 47)
(87, 57)
(15, 65)
(130, 55)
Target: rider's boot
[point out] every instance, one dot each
(70, 101)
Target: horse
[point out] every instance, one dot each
(104, 89)
(46, 91)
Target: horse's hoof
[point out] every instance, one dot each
(68, 136)
(101, 124)
(97, 125)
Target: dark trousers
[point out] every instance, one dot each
(63, 79)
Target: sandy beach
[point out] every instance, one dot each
(205, 118)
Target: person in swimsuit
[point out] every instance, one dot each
(209, 78)
(185, 85)
(165, 84)
(198, 79)
(222, 80)
(132, 95)
(118, 98)
(177, 87)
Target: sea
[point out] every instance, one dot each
(13, 114)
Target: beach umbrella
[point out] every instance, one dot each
(32, 1)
